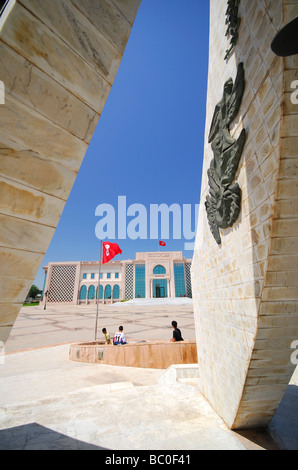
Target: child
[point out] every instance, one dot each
(107, 336)
(119, 337)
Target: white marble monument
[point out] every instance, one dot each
(245, 289)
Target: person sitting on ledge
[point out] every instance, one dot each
(107, 336)
(176, 333)
(119, 337)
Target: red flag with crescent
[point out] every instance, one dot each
(109, 250)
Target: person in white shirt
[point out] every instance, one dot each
(119, 337)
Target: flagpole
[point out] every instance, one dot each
(97, 294)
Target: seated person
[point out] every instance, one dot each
(119, 337)
(107, 336)
(176, 333)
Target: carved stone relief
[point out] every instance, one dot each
(224, 200)
(233, 22)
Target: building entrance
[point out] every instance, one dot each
(160, 288)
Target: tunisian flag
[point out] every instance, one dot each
(109, 250)
(161, 243)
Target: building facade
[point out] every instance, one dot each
(150, 275)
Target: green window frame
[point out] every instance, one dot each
(116, 292)
(159, 269)
(108, 292)
(100, 292)
(91, 293)
(83, 293)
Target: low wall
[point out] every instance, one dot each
(153, 354)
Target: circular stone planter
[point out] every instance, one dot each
(144, 354)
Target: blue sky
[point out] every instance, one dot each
(148, 144)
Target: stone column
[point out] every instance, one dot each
(77, 283)
(172, 279)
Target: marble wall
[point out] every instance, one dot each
(246, 289)
(58, 61)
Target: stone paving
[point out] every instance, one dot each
(50, 402)
(36, 327)
(70, 405)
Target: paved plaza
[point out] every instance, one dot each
(50, 402)
(36, 327)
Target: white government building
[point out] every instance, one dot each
(150, 275)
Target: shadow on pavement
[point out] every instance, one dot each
(36, 437)
(284, 425)
(256, 439)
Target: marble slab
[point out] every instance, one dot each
(45, 95)
(108, 19)
(128, 8)
(25, 235)
(26, 203)
(27, 167)
(8, 313)
(14, 290)
(71, 25)
(19, 264)
(38, 44)
(25, 126)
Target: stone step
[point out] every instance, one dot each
(190, 381)
(179, 371)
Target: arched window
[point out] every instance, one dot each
(83, 293)
(116, 291)
(91, 293)
(159, 270)
(108, 292)
(100, 292)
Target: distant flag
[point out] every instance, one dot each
(109, 250)
(161, 243)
